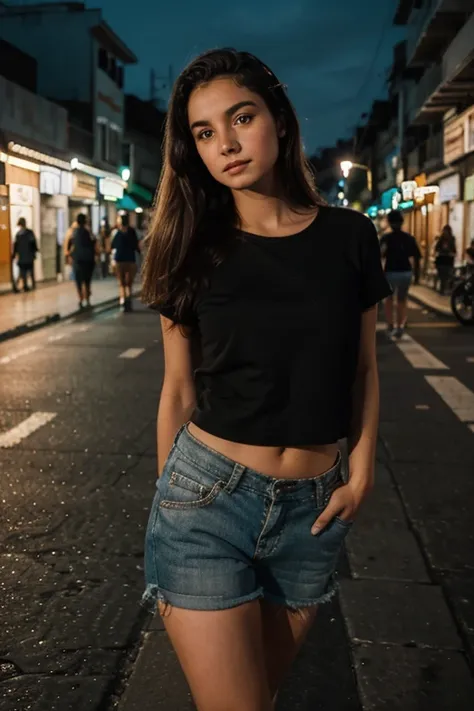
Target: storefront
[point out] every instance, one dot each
(22, 181)
(420, 203)
(83, 197)
(56, 186)
(111, 191)
(469, 200)
(5, 239)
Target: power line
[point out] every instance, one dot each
(368, 75)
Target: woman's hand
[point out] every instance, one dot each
(344, 503)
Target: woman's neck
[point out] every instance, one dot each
(266, 212)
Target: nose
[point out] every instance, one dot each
(230, 144)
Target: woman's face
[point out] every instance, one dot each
(235, 133)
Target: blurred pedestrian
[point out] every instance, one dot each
(268, 311)
(470, 253)
(125, 247)
(82, 251)
(25, 249)
(104, 248)
(445, 254)
(400, 254)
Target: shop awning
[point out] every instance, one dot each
(135, 197)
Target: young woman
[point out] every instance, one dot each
(267, 300)
(125, 246)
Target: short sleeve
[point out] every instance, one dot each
(374, 286)
(168, 310)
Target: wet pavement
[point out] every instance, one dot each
(77, 456)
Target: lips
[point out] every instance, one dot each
(235, 164)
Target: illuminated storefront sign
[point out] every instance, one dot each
(411, 191)
(450, 188)
(55, 182)
(111, 189)
(469, 189)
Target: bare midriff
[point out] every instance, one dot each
(279, 462)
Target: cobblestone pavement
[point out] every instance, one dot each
(77, 456)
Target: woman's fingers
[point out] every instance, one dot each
(340, 502)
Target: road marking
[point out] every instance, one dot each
(422, 407)
(32, 423)
(18, 354)
(459, 398)
(418, 356)
(132, 353)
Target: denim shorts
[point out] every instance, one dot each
(221, 534)
(400, 283)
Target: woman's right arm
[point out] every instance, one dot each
(178, 394)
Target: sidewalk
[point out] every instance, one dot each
(22, 312)
(426, 296)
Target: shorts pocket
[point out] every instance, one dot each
(187, 489)
(341, 522)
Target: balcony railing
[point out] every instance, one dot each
(448, 83)
(432, 27)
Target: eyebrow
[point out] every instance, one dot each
(231, 110)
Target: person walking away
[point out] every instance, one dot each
(25, 249)
(82, 250)
(125, 247)
(400, 254)
(270, 360)
(105, 249)
(445, 254)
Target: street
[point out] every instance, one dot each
(78, 466)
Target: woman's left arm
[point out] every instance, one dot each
(362, 440)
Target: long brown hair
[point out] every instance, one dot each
(195, 216)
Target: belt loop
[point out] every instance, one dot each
(235, 478)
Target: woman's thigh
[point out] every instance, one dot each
(222, 656)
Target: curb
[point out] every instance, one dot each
(438, 310)
(29, 326)
(49, 319)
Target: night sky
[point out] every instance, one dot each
(324, 50)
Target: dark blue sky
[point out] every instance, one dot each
(322, 49)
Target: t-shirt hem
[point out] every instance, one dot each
(240, 437)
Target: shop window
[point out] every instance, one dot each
(103, 59)
(103, 141)
(115, 146)
(112, 68)
(120, 77)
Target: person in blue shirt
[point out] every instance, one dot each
(125, 246)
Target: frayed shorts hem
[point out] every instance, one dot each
(154, 595)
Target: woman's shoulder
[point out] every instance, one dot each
(347, 217)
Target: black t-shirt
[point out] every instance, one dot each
(125, 244)
(397, 247)
(279, 326)
(82, 245)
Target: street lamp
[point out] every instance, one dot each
(348, 165)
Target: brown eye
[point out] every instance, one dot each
(244, 119)
(205, 134)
